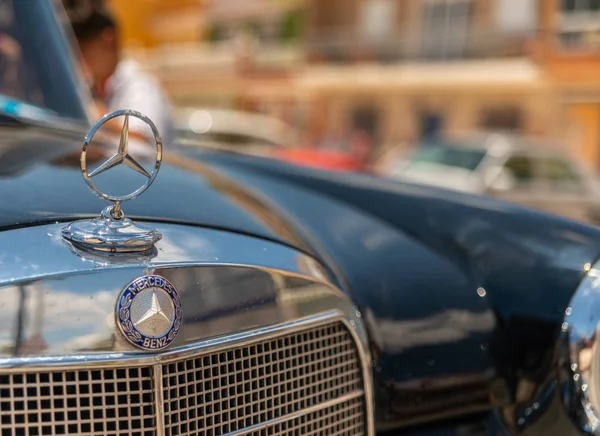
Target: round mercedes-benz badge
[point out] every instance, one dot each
(149, 312)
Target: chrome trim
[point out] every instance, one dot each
(122, 156)
(275, 377)
(126, 360)
(75, 295)
(159, 398)
(243, 339)
(363, 350)
(112, 232)
(303, 412)
(40, 253)
(107, 234)
(580, 353)
(79, 401)
(285, 291)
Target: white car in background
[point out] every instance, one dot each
(232, 130)
(533, 173)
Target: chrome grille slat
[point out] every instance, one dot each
(343, 419)
(306, 382)
(117, 401)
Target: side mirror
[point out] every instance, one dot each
(499, 179)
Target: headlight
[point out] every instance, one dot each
(580, 353)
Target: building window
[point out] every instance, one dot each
(560, 174)
(365, 118)
(579, 25)
(444, 28)
(502, 119)
(431, 125)
(521, 169)
(574, 6)
(377, 20)
(516, 16)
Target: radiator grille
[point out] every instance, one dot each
(106, 401)
(298, 380)
(344, 419)
(246, 386)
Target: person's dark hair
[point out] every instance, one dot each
(89, 18)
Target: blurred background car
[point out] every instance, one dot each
(232, 129)
(530, 172)
(259, 135)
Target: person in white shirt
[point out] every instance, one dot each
(117, 82)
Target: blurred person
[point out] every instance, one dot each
(116, 82)
(11, 74)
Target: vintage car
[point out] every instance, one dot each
(532, 172)
(240, 295)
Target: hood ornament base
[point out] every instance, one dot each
(112, 232)
(108, 234)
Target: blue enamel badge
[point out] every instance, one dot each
(149, 312)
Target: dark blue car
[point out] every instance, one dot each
(240, 295)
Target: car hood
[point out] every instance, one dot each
(41, 182)
(464, 296)
(461, 294)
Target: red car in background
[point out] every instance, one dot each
(265, 136)
(337, 160)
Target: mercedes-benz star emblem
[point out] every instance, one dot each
(112, 232)
(149, 312)
(122, 156)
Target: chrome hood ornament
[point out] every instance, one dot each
(112, 232)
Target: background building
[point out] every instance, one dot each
(412, 69)
(399, 70)
(152, 23)
(569, 52)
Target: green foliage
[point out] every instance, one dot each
(292, 26)
(215, 32)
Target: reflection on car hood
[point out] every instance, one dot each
(40, 181)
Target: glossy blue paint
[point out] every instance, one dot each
(463, 296)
